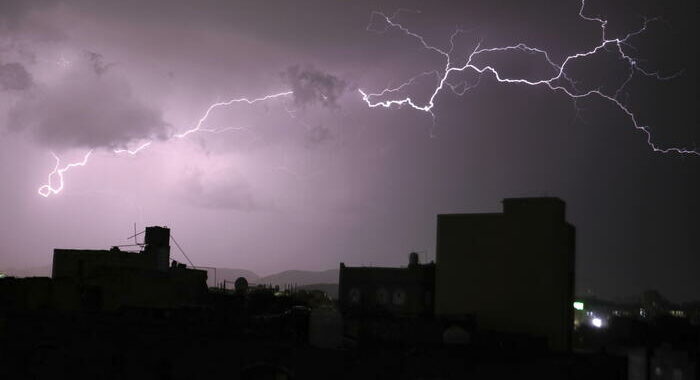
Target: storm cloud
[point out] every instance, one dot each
(13, 76)
(97, 62)
(330, 178)
(87, 109)
(312, 86)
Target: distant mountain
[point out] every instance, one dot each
(326, 278)
(330, 289)
(230, 274)
(301, 277)
(41, 271)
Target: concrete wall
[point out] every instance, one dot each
(513, 271)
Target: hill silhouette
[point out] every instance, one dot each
(301, 277)
(325, 280)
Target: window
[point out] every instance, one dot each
(399, 297)
(354, 295)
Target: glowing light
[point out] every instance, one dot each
(578, 305)
(597, 322)
(48, 189)
(677, 313)
(558, 82)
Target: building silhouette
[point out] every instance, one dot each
(512, 271)
(380, 290)
(107, 280)
(501, 286)
(387, 305)
(83, 263)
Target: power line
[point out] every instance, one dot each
(183, 252)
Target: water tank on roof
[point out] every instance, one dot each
(157, 236)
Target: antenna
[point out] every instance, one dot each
(136, 235)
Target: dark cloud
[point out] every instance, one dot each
(312, 86)
(89, 110)
(11, 11)
(13, 76)
(19, 21)
(97, 62)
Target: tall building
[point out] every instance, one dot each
(512, 271)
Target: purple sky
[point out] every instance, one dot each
(307, 180)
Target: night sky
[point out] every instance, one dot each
(315, 177)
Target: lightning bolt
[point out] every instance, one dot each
(134, 151)
(48, 189)
(557, 82)
(201, 121)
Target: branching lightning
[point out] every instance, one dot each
(558, 82)
(48, 189)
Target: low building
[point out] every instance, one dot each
(104, 280)
(407, 291)
(110, 279)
